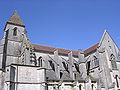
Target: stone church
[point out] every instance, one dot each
(28, 66)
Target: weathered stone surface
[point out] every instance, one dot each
(26, 68)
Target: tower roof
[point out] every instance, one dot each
(16, 20)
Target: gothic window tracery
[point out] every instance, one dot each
(96, 61)
(118, 55)
(113, 62)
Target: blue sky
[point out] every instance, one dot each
(70, 24)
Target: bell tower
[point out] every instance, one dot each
(12, 41)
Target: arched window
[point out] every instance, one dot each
(46, 86)
(75, 76)
(40, 61)
(92, 87)
(88, 67)
(80, 87)
(116, 77)
(113, 62)
(15, 31)
(52, 65)
(96, 61)
(61, 74)
(65, 65)
(118, 55)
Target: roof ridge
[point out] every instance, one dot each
(90, 49)
(92, 46)
(42, 45)
(64, 51)
(53, 47)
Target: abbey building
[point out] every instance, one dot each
(27, 66)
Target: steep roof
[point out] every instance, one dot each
(63, 51)
(16, 20)
(91, 49)
(52, 49)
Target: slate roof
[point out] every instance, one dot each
(65, 76)
(63, 51)
(16, 20)
(50, 74)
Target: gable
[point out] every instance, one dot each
(108, 43)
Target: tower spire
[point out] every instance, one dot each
(15, 19)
